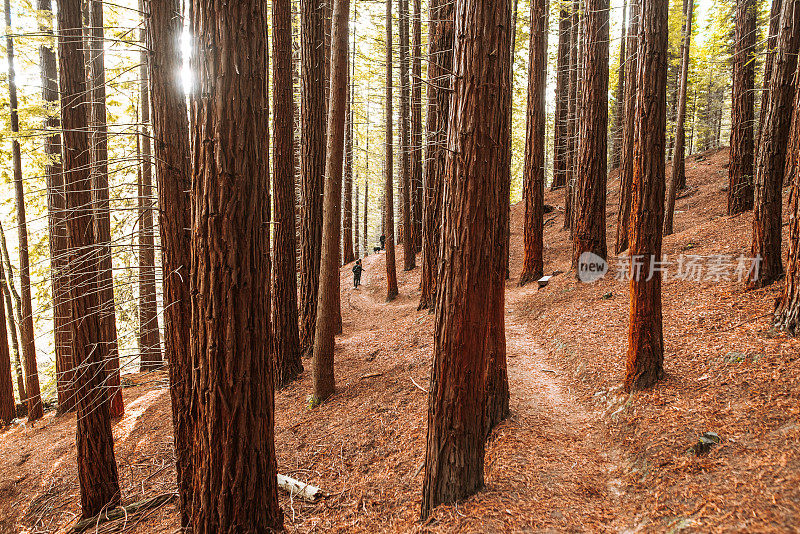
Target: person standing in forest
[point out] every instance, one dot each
(357, 270)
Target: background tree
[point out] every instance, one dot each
(678, 179)
(34, 399)
(619, 94)
(7, 407)
(440, 64)
(576, 62)
(388, 191)
(590, 194)
(561, 119)
(416, 127)
(740, 171)
(533, 192)
(628, 131)
(285, 334)
(645, 362)
(11, 326)
(348, 254)
(409, 258)
(97, 467)
(771, 160)
(472, 263)
(313, 108)
(232, 397)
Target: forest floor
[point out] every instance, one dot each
(576, 455)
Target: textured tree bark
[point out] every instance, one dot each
(313, 108)
(149, 333)
(590, 194)
(388, 190)
(7, 407)
(409, 257)
(771, 162)
(787, 314)
(740, 172)
(678, 179)
(56, 218)
(366, 217)
(619, 94)
(417, 192)
(628, 132)
(561, 126)
(533, 183)
(356, 222)
(645, 362)
(12, 332)
(348, 254)
(575, 113)
(440, 65)
(97, 467)
(324, 381)
(234, 466)
(173, 176)
(472, 274)
(772, 41)
(285, 333)
(34, 400)
(102, 209)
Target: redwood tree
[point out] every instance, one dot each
(472, 272)
(327, 322)
(440, 64)
(678, 179)
(619, 94)
(590, 194)
(348, 253)
(234, 466)
(173, 176)
(388, 191)
(97, 467)
(628, 132)
(576, 49)
(285, 334)
(34, 400)
(561, 118)
(416, 127)
(645, 362)
(7, 406)
(312, 163)
(409, 258)
(771, 160)
(533, 179)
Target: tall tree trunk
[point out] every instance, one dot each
(533, 184)
(173, 176)
(312, 163)
(771, 162)
(619, 95)
(323, 376)
(149, 333)
(740, 172)
(26, 325)
(590, 194)
(348, 255)
(234, 464)
(286, 337)
(366, 215)
(388, 190)
(56, 218)
(472, 273)
(678, 179)
(97, 467)
(575, 113)
(561, 118)
(100, 197)
(787, 314)
(417, 192)
(409, 257)
(14, 313)
(645, 362)
(7, 407)
(440, 65)
(628, 132)
(356, 222)
(772, 41)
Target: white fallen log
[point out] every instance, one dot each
(307, 492)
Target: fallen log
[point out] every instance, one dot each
(307, 492)
(121, 512)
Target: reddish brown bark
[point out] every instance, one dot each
(590, 194)
(628, 132)
(417, 192)
(34, 399)
(388, 190)
(324, 381)
(740, 172)
(561, 126)
(97, 468)
(9, 291)
(678, 179)
(7, 406)
(619, 95)
(234, 464)
(772, 41)
(533, 179)
(472, 273)
(173, 176)
(409, 258)
(771, 161)
(313, 108)
(348, 254)
(645, 362)
(440, 39)
(576, 61)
